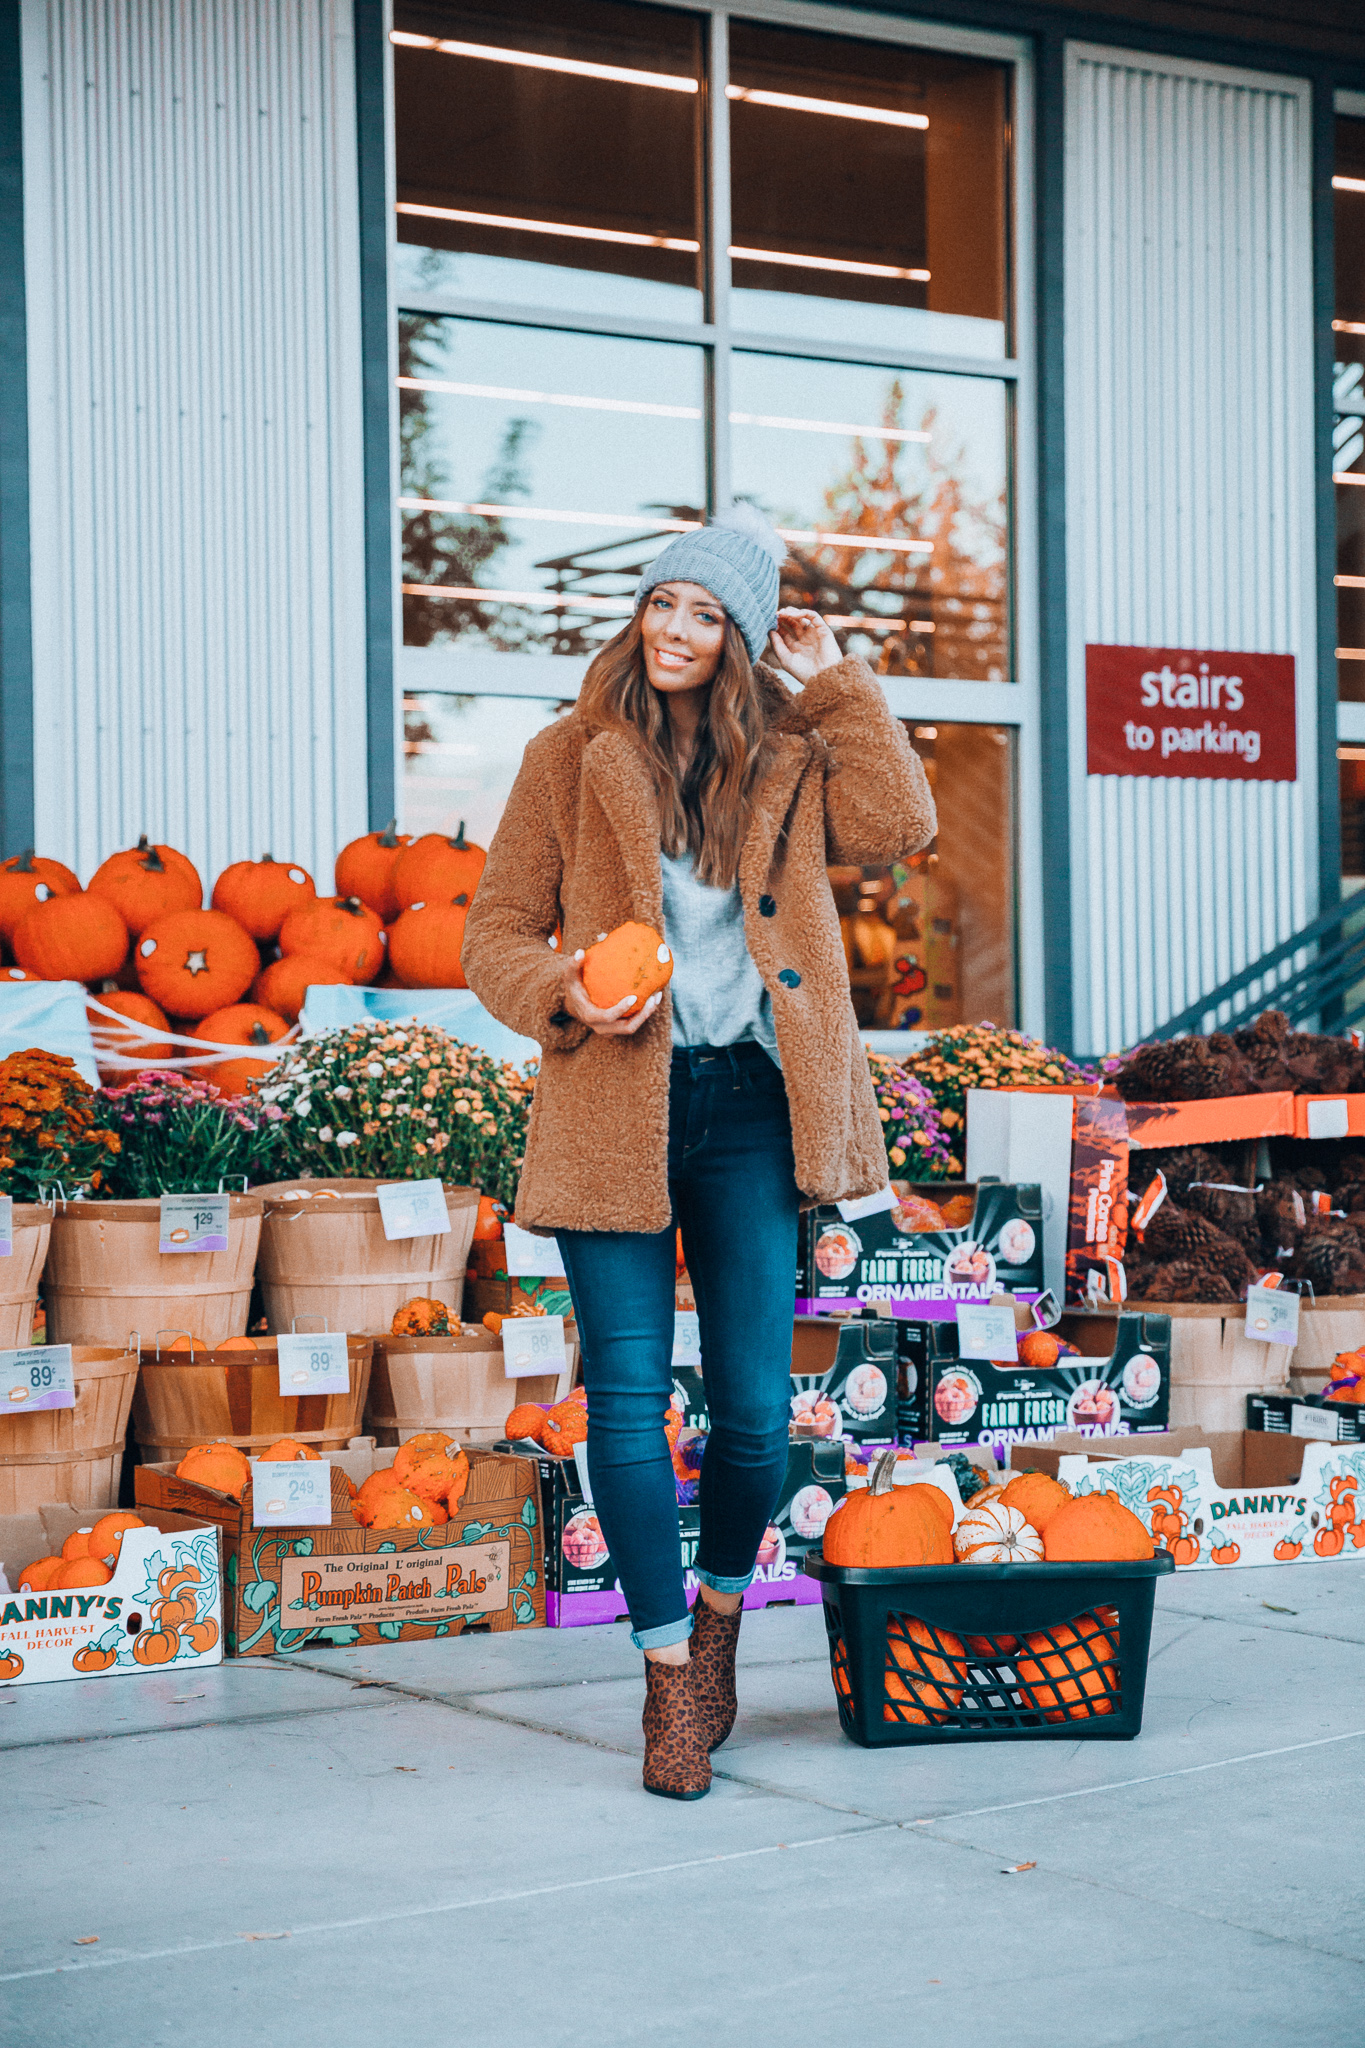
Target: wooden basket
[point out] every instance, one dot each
(20, 1274)
(325, 1258)
(105, 1275)
(458, 1384)
(233, 1397)
(1334, 1323)
(71, 1454)
(1214, 1364)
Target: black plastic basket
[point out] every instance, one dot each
(989, 1652)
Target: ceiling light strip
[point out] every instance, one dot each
(797, 103)
(851, 269)
(1348, 184)
(766, 419)
(536, 600)
(1348, 476)
(633, 522)
(1351, 654)
(513, 396)
(867, 621)
(1348, 327)
(1349, 582)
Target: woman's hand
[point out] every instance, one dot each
(612, 1023)
(803, 644)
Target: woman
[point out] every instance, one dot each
(691, 790)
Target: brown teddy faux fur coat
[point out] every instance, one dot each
(578, 847)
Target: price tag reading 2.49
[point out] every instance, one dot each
(38, 1377)
(313, 1363)
(285, 1495)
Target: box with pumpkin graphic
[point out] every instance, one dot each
(1214, 1499)
(347, 1584)
(161, 1608)
(922, 1249)
(1099, 1375)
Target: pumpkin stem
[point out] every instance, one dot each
(259, 1034)
(266, 860)
(458, 842)
(24, 864)
(884, 1473)
(351, 903)
(389, 835)
(460, 899)
(153, 863)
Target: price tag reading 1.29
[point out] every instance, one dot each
(297, 1495)
(39, 1377)
(532, 1344)
(313, 1363)
(194, 1223)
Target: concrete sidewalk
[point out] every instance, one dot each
(449, 1842)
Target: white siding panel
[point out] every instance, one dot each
(192, 258)
(1189, 502)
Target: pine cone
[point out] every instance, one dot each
(1178, 1280)
(1179, 1070)
(1180, 1234)
(1183, 1164)
(1332, 1259)
(1232, 1210)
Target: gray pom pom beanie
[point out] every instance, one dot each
(737, 557)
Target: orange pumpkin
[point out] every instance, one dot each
(93, 1658)
(1096, 1527)
(34, 1577)
(287, 1450)
(79, 1571)
(937, 1499)
(201, 1635)
(425, 944)
(194, 962)
(25, 879)
(631, 961)
(1225, 1553)
(489, 1221)
(423, 1316)
(283, 985)
(437, 868)
(339, 929)
(221, 1467)
(422, 1446)
(1038, 1350)
(398, 1508)
(369, 1493)
(107, 1536)
(156, 1645)
(565, 1426)
(18, 974)
(237, 1344)
(261, 893)
(1037, 1497)
(71, 938)
(168, 1579)
(141, 1011)
(922, 1681)
(173, 1613)
(526, 1422)
(11, 1663)
(1070, 1672)
(433, 1476)
(365, 869)
(147, 882)
(884, 1524)
(240, 1024)
(77, 1544)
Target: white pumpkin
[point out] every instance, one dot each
(996, 1534)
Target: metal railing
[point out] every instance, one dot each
(1315, 977)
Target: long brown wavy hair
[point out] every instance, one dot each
(706, 811)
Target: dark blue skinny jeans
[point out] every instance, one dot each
(733, 1184)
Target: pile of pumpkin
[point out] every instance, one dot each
(556, 1427)
(1346, 1380)
(1063, 1672)
(236, 974)
(87, 1558)
(421, 1489)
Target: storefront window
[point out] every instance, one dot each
(463, 754)
(1348, 404)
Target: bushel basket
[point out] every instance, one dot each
(989, 1652)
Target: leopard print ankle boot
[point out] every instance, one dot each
(715, 1638)
(676, 1763)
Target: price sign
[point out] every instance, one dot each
(194, 1223)
(413, 1208)
(1314, 1422)
(984, 1331)
(314, 1363)
(291, 1493)
(6, 1226)
(532, 1344)
(687, 1338)
(530, 1257)
(868, 1205)
(1272, 1316)
(580, 1459)
(38, 1377)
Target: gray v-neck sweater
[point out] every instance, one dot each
(717, 992)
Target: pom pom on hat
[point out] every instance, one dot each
(742, 517)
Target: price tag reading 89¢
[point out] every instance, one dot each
(37, 1377)
(287, 1494)
(313, 1363)
(532, 1344)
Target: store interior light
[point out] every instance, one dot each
(850, 269)
(1348, 327)
(1348, 476)
(868, 622)
(1348, 184)
(1351, 654)
(1349, 582)
(772, 419)
(926, 732)
(874, 544)
(663, 81)
(535, 600)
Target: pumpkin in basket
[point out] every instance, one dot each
(422, 1317)
(238, 1344)
(935, 1498)
(220, 1466)
(1037, 1497)
(920, 1677)
(286, 1450)
(106, 1538)
(25, 879)
(261, 893)
(365, 868)
(147, 882)
(996, 1534)
(245, 1024)
(1096, 1528)
(426, 942)
(397, 1508)
(885, 1525)
(339, 929)
(436, 868)
(77, 1544)
(631, 961)
(71, 938)
(525, 1423)
(369, 1493)
(283, 985)
(34, 1577)
(194, 962)
(437, 1476)
(79, 1571)
(564, 1426)
(1068, 1672)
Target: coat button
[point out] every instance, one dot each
(767, 906)
(789, 978)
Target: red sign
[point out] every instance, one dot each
(1178, 711)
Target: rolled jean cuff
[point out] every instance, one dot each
(720, 1585)
(659, 1638)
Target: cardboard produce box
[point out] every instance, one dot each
(1119, 1386)
(1244, 1497)
(583, 1586)
(843, 1263)
(844, 1379)
(288, 1587)
(1307, 1415)
(162, 1610)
